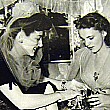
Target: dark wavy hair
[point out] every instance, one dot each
(36, 22)
(97, 21)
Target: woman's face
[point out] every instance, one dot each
(93, 39)
(32, 42)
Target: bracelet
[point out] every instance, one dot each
(63, 85)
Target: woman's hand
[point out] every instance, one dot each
(68, 94)
(75, 85)
(99, 100)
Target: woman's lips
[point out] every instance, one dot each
(90, 47)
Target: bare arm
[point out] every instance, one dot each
(28, 101)
(74, 85)
(32, 101)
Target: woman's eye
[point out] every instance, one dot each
(91, 38)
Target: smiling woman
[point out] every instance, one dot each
(28, 43)
(23, 41)
(21, 53)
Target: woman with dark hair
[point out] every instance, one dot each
(21, 48)
(91, 65)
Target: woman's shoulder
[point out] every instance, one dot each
(81, 50)
(82, 53)
(5, 73)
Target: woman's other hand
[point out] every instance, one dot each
(75, 85)
(68, 94)
(99, 101)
